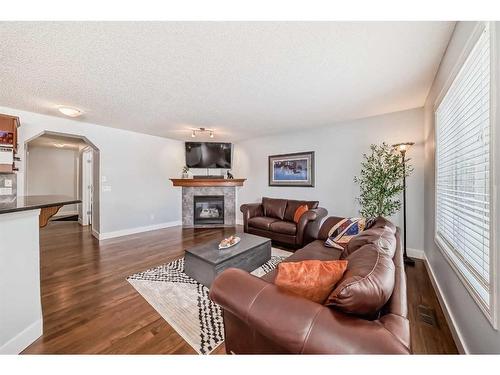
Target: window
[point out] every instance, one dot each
(463, 173)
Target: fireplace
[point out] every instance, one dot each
(208, 209)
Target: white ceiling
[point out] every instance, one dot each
(244, 79)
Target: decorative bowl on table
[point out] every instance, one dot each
(229, 242)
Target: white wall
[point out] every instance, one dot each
(472, 327)
(20, 301)
(338, 153)
(52, 170)
(136, 166)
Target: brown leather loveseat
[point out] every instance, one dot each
(368, 315)
(273, 218)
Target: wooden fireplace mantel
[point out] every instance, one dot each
(202, 182)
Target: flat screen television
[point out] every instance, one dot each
(208, 155)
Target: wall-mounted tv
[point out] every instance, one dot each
(208, 155)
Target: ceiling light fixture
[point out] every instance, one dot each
(211, 132)
(69, 111)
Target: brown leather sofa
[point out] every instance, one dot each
(259, 318)
(273, 218)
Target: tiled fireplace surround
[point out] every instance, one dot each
(188, 193)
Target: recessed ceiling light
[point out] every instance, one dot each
(69, 111)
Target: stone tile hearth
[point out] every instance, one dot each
(188, 193)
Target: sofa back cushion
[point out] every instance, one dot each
(382, 237)
(292, 206)
(380, 222)
(367, 284)
(274, 207)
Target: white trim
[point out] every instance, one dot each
(239, 222)
(95, 233)
(415, 253)
(23, 339)
(455, 331)
(126, 232)
(494, 221)
(87, 185)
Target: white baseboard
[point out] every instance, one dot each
(126, 232)
(239, 222)
(415, 253)
(22, 340)
(455, 332)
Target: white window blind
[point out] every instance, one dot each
(463, 171)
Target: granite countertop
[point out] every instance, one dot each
(32, 202)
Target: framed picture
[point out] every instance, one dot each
(292, 169)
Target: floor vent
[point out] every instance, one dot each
(427, 315)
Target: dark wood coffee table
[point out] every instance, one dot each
(203, 263)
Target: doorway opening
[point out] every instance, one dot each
(65, 164)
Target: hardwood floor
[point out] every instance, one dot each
(89, 307)
(426, 338)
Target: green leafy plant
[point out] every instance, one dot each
(381, 181)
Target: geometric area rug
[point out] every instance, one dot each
(184, 303)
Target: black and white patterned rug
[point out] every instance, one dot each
(184, 303)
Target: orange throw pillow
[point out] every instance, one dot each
(301, 210)
(311, 279)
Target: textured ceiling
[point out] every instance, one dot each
(244, 79)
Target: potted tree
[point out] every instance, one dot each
(381, 181)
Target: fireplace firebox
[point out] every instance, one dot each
(208, 209)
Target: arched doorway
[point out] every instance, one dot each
(65, 164)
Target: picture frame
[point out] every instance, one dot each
(295, 169)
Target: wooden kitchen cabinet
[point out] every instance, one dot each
(8, 139)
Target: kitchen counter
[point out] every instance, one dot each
(21, 320)
(31, 202)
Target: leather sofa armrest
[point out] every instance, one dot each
(308, 225)
(297, 324)
(250, 210)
